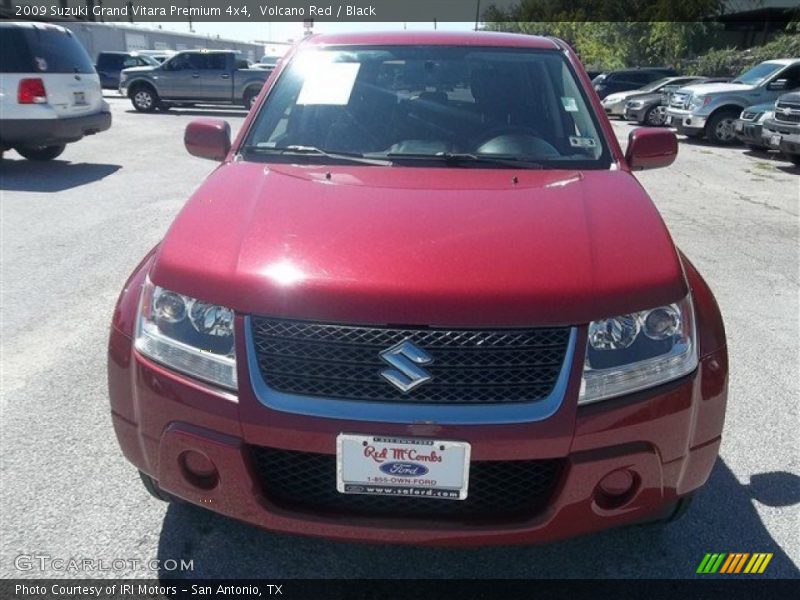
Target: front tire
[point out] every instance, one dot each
(655, 116)
(720, 128)
(40, 153)
(144, 99)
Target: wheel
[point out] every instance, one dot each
(144, 99)
(655, 116)
(41, 152)
(249, 98)
(719, 127)
(152, 487)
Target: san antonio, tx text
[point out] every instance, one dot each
(142, 589)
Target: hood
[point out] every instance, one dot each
(618, 96)
(395, 245)
(705, 89)
(790, 97)
(757, 108)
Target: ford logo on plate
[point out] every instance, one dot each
(404, 469)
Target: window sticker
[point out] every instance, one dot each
(569, 104)
(329, 83)
(581, 142)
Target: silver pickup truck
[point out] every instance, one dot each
(193, 77)
(711, 109)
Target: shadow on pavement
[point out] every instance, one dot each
(50, 176)
(723, 518)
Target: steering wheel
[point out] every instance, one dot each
(501, 131)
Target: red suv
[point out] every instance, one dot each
(424, 300)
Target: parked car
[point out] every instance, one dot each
(614, 104)
(50, 93)
(109, 65)
(628, 79)
(361, 326)
(749, 125)
(651, 109)
(711, 110)
(782, 129)
(193, 76)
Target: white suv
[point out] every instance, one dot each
(49, 90)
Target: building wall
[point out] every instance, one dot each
(99, 37)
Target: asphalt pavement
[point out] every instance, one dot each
(73, 229)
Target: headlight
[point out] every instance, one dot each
(632, 352)
(699, 101)
(190, 336)
(635, 104)
(769, 114)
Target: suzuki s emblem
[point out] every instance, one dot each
(405, 357)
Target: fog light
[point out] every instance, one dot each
(198, 469)
(616, 489)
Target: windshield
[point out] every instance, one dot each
(657, 84)
(459, 105)
(757, 74)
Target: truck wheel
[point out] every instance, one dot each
(719, 127)
(249, 98)
(144, 99)
(41, 152)
(655, 117)
(152, 487)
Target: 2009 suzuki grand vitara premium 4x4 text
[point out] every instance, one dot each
(422, 299)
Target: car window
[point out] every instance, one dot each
(792, 77)
(218, 62)
(431, 101)
(42, 50)
(57, 51)
(131, 61)
(757, 74)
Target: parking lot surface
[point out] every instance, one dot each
(72, 231)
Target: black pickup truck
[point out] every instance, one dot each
(193, 77)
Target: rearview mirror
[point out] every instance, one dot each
(651, 148)
(208, 138)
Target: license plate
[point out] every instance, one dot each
(79, 98)
(669, 120)
(775, 140)
(739, 127)
(399, 466)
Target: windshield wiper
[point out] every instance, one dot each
(460, 158)
(314, 151)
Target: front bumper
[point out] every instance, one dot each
(782, 136)
(668, 437)
(636, 114)
(750, 133)
(685, 121)
(615, 109)
(43, 132)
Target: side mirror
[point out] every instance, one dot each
(208, 138)
(651, 148)
(778, 84)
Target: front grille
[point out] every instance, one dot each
(680, 100)
(497, 489)
(787, 118)
(470, 366)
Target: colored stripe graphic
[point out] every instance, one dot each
(734, 563)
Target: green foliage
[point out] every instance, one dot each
(729, 61)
